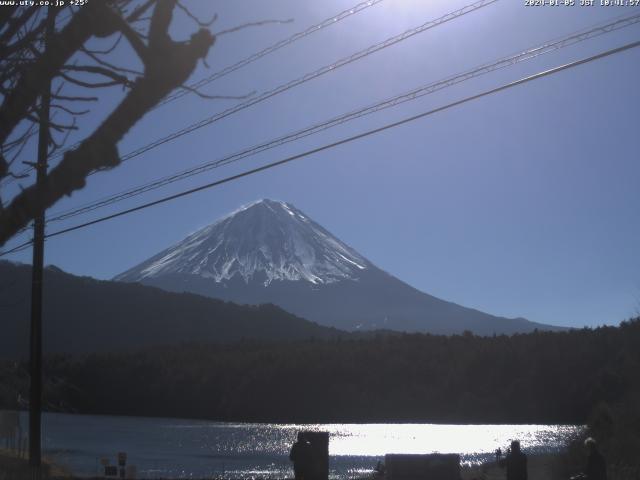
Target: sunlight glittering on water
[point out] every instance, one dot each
(178, 448)
(380, 439)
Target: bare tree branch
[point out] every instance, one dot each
(94, 17)
(23, 42)
(93, 69)
(104, 63)
(14, 24)
(107, 50)
(58, 145)
(82, 83)
(217, 97)
(74, 98)
(168, 65)
(251, 24)
(23, 143)
(69, 111)
(7, 147)
(138, 12)
(199, 22)
(134, 39)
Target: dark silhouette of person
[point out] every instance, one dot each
(301, 457)
(516, 462)
(596, 466)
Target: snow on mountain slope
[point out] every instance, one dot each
(267, 240)
(270, 252)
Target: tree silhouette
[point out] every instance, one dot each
(27, 65)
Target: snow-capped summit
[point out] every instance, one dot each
(270, 252)
(264, 241)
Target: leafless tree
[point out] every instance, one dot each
(28, 63)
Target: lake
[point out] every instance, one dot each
(172, 448)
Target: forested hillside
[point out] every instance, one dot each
(539, 377)
(82, 314)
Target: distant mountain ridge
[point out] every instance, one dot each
(82, 315)
(271, 252)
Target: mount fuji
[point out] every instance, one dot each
(271, 252)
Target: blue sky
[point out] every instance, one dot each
(524, 203)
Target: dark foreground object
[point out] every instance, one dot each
(310, 456)
(435, 466)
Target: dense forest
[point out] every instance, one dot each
(548, 377)
(538, 377)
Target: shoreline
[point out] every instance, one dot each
(548, 466)
(416, 421)
(541, 467)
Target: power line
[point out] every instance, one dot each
(310, 76)
(19, 248)
(350, 139)
(334, 19)
(275, 47)
(504, 62)
(307, 77)
(301, 80)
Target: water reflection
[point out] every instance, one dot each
(379, 439)
(172, 448)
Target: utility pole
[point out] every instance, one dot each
(35, 366)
